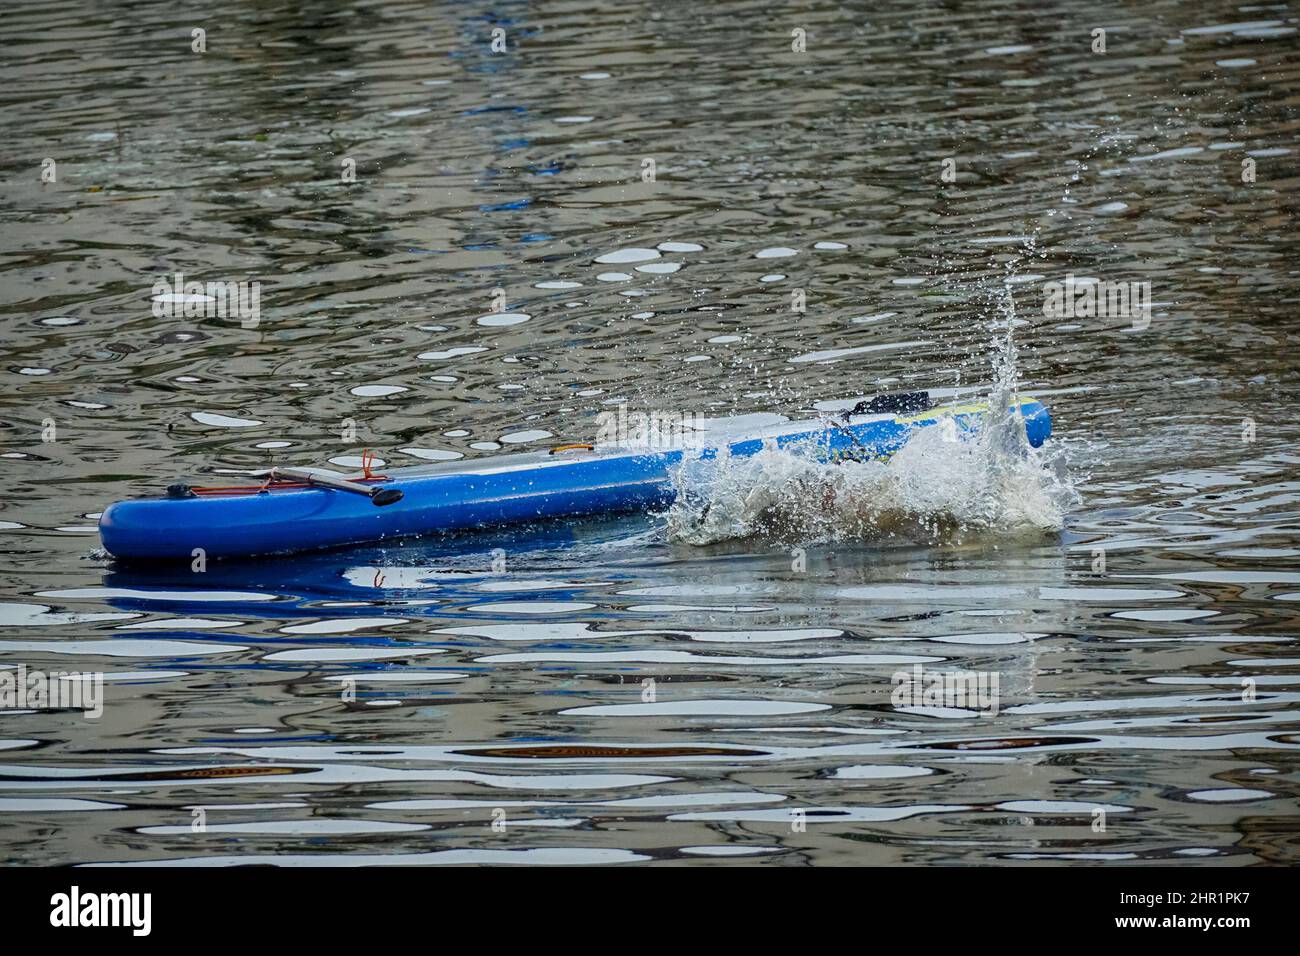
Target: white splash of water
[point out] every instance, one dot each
(943, 485)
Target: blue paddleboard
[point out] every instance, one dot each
(487, 492)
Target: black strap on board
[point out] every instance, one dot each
(901, 403)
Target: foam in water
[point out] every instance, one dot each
(943, 485)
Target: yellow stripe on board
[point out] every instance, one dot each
(975, 408)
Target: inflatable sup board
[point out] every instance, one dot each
(308, 509)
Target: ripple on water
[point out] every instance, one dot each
(621, 256)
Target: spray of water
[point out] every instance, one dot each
(942, 486)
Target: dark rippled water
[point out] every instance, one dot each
(1160, 689)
